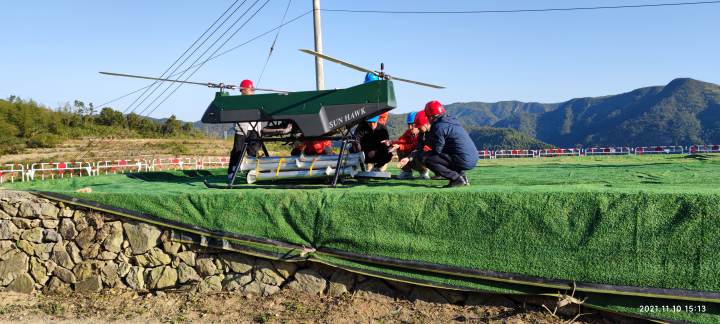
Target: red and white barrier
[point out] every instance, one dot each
(58, 169)
(504, 154)
(559, 152)
(120, 166)
(177, 163)
(486, 154)
(608, 151)
(211, 162)
(12, 171)
(659, 150)
(52, 170)
(695, 149)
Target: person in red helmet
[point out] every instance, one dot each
(407, 147)
(243, 132)
(383, 118)
(315, 147)
(452, 151)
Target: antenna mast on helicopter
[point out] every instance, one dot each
(319, 74)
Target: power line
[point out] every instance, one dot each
(218, 55)
(272, 46)
(672, 4)
(193, 52)
(213, 53)
(172, 83)
(185, 52)
(90, 145)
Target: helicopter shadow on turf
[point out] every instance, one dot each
(189, 177)
(302, 184)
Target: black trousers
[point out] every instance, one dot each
(378, 157)
(238, 145)
(442, 165)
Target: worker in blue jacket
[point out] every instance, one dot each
(452, 151)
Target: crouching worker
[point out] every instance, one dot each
(409, 154)
(452, 151)
(316, 147)
(371, 136)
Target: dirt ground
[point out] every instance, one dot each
(284, 307)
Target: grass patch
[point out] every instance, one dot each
(647, 221)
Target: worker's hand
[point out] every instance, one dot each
(403, 162)
(387, 142)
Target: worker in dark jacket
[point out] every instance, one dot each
(452, 151)
(371, 136)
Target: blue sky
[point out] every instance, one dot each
(52, 50)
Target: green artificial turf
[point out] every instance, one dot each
(647, 221)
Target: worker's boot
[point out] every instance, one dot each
(465, 178)
(405, 175)
(459, 182)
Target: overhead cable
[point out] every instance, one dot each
(173, 83)
(188, 49)
(265, 33)
(195, 50)
(220, 47)
(649, 5)
(272, 46)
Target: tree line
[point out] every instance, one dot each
(27, 124)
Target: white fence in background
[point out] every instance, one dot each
(660, 150)
(608, 151)
(695, 149)
(559, 152)
(11, 172)
(58, 170)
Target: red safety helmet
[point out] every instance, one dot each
(421, 119)
(434, 108)
(247, 84)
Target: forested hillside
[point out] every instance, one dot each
(26, 124)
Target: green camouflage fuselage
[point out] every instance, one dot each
(315, 113)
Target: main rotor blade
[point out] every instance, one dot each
(417, 82)
(268, 90)
(362, 69)
(208, 84)
(334, 60)
(151, 78)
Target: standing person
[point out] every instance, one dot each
(371, 136)
(243, 132)
(406, 147)
(452, 151)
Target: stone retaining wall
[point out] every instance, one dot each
(49, 247)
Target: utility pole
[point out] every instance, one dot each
(319, 73)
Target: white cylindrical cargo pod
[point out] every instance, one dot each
(269, 164)
(254, 176)
(275, 159)
(319, 164)
(298, 162)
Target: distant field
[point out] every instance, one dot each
(112, 149)
(643, 221)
